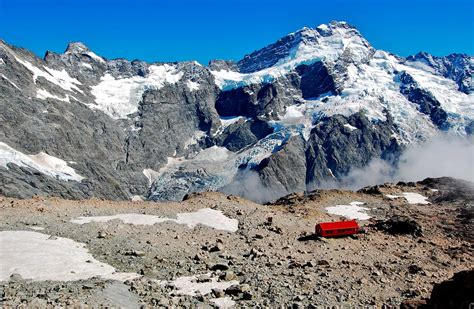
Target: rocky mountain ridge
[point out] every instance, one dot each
(304, 110)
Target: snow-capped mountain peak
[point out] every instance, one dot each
(76, 48)
(325, 42)
(80, 49)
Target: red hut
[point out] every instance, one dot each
(336, 229)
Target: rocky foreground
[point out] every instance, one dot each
(249, 254)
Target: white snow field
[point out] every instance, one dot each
(59, 78)
(411, 197)
(205, 216)
(40, 257)
(415, 198)
(351, 211)
(42, 162)
(120, 97)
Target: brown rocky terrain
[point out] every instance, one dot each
(272, 259)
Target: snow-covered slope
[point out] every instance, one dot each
(369, 80)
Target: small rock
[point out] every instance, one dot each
(363, 281)
(215, 248)
(323, 263)
(102, 234)
(229, 275)
(218, 293)
(414, 269)
(245, 287)
(135, 253)
(220, 266)
(233, 290)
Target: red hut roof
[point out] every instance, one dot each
(338, 225)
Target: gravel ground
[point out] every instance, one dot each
(271, 260)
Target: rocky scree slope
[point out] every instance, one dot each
(406, 258)
(304, 110)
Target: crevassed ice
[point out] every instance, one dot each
(39, 257)
(41, 162)
(120, 97)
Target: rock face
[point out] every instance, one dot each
(453, 293)
(282, 172)
(300, 112)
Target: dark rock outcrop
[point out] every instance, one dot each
(426, 101)
(284, 171)
(400, 225)
(455, 293)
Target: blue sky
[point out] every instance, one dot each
(217, 29)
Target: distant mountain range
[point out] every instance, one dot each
(307, 109)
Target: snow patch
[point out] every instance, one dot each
(36, 228)
(206, 216)
(292, 112)
(411, 197)
(44, 94)
(40, 257)
(8, 80)
(323, 27)
(223, 302)
(42, 162)
(193, 140)
(60, 78)
(214, 154)
(350, 127)
(87, 65)
(351, 211)
(227, 121)
(95, 57)
(120, 97)
(136, 198)
(415, 198)
(151, 175)
(190, 285)
(192, 86)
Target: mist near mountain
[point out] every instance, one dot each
(444, 155)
